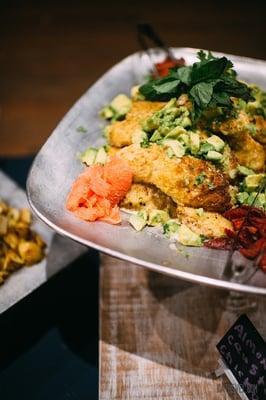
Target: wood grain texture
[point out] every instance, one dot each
(52, 51)
(158, 336)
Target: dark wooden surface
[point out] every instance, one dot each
(51, 51)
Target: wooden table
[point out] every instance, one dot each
(158, 336)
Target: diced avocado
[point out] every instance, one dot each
(158, 217)
(170, 228)
(185, 122)
(170, 152)
(139, 220)
(251, 198)
(138, 136)
(253, 181)
(214, 156)
(89, 155)
(184, 138)
(242, 197)
(194, 142)
(107, 112)
(261, 200)
(199, 212)
(135, 93)
(245, 171)
(177, 147)
(121, 104)
(216, 142)
(205, 147)
(251, 129)
(176, 132)
(155, 136)
(187, 237)
(101, 156)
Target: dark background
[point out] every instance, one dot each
(51, 51)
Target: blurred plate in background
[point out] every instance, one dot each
(60, 252)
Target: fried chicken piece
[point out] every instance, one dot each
(144, 196)
(188, 181)
(119, 134)
(248, 151)
(209, 224)
(260, 133)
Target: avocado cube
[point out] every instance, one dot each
(158, 217)
(252, 182)
(101, 156)
(194, 142)
(139, 220)
(88, 157)
(214, 156)
(216, 142)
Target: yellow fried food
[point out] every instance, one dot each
(248, 152)
(144, 196)
(246, 147)
(120, 133)
(260, 129)
(19, 245)
(209, 224)
(188, 181)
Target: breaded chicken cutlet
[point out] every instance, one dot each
(188, 181)
(120, 133)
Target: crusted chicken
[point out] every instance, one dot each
(209, 224)
(188, 181)
(120, 132)
(249, 153)
(148, 197)
(260, 129)
(246, 147)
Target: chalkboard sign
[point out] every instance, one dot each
(244, 352)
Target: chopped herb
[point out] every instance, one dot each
(200, 178)
(145, 143)
(81, 129)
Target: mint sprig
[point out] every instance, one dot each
(209, 83)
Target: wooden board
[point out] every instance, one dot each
(158, 335)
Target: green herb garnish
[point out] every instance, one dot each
(81, 129)
(200, 178)
(209, 83)
(145, 143)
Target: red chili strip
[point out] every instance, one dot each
(164, 66)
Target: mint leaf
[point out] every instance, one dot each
(212, 69)
(221, 99)
(183, 74)
(202, 94)
(162, 89)
(234, 88)
(203, 57)
(167, 86)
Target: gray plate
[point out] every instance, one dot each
(60, 252)
(56, 166)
